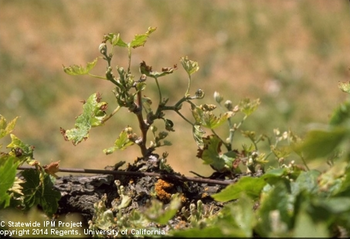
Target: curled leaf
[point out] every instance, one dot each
(189, 65)
(92, 116)
(80, 70)
(140, 40)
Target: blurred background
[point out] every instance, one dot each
(290, 54)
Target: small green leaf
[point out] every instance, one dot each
(121, 143)
(22, 152)
(6, 128)
(162, 216)
(115, 40)
(80, 70)
(341, 114)
(344, 86)
(247, 106)
(189, 65)
(321, 143)
(140, 40)
(208, 119)
(248, 185)
(92, 116)
(147, 70)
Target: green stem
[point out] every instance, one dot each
(129, 56)
(188, 85)
(178, 112)
(113, 113)
(99, 77)
(159, 91)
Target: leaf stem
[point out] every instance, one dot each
(113, 113)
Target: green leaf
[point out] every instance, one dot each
(341, 114)
(211, 152)
(208, 119)
(248, 185)
(247, 106)
(162, 216)
(7, 178)
(38, 190)
(321, 143)
(140, 40)
(147, 70)
(80, 70)
(198, 134)
(92, 116)
(189, 65)
(344, 86)
(121, 143)
(115, 40)
(306, 181)
(242, 215)
(22, 152)
(305, 227)
(275, 217)
(5, 128)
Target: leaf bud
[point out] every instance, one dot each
(163, 134)
(228, 105)
(103, 48)
(217, 97)
(199, 94)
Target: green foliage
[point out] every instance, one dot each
(273, 197)
(38, 190)
(35, 187)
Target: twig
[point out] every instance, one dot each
(137, 174)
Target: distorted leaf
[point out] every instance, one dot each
(80, 70)
(140, 39)
(122, 142)
(189, 65)
(20, 150)
(198, 134)
(147, 70)
(92, 116)
(208, 119)
(6, 128)
(247, 106)
(115, 40)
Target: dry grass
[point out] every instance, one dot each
(291, 54)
